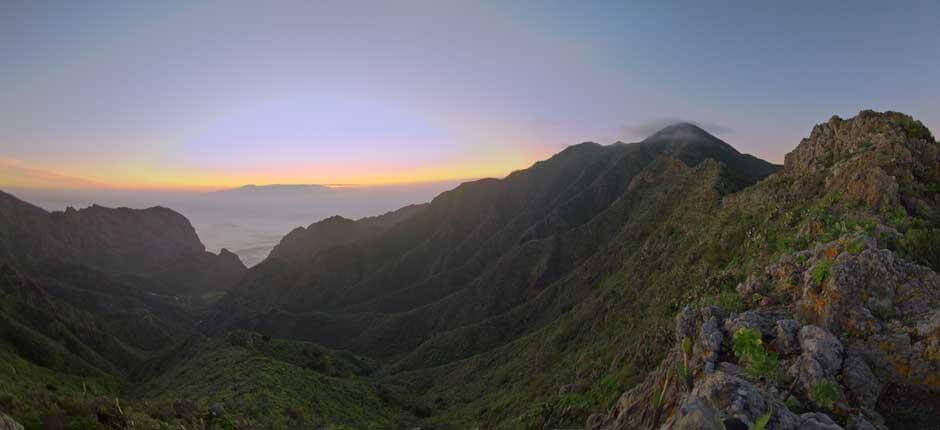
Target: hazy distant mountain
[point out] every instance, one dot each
(156, 245)
(249, 221)
(303, 243)
(274, 189)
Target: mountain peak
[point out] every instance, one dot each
(684, 131)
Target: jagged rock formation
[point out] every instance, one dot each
(885, 309)
(871, 157)
(849, 319)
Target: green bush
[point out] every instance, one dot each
(824, 393)
(749, 349)
(821, 271)
(794, 405)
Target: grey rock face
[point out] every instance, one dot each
(763, 321)
(695, 414)
(817, 421)
(862, 384)
(709, 340)
(743, 400)
(786, 336)
(822, 347)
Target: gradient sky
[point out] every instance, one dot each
(216, 94)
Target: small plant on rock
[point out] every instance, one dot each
(824, 393)
(821, 271)
(761, 422)
(749, 349)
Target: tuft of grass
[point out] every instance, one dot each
(728, 300)
(821, 271)
(681, 371)
(855, 246)
(761, 422)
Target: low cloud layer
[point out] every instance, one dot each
(646, 128)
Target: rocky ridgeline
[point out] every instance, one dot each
(846, 317)
(871, 157)
(844, 335)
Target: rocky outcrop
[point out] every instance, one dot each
(872, 322)
(870, 156)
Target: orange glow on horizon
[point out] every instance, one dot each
(153, 179)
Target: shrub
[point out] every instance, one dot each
(749, 349)
(794, 405)
(821, 271)
(824, 393)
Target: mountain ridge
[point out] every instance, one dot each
(557, 296)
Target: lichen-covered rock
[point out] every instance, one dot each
(701, 329)
(741, 399)
(786, 336)
(885, 306)
(821, 346)
(862, 384)
(764, 321)
(710, 341)
(869, 157)
(695, 414)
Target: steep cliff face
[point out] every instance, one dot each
(156, 246)
(842, 334)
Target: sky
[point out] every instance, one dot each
(207, 95)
